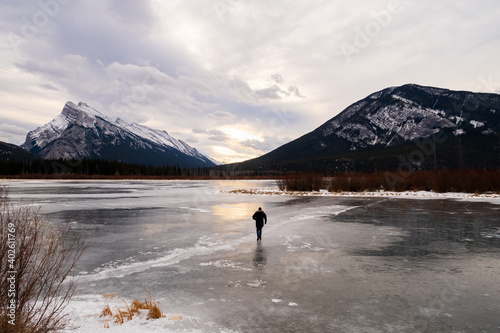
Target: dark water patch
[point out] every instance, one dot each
(431, 227)
(112, 216)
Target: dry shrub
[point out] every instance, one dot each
(37, 265)
(305, 181)
(138, 305)
(154, 310)
(120, 316)
(462, 180)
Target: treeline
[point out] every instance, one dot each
(91, 167)
(462, 180)
(444, 180)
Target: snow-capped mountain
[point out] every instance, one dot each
(81, 131)
(400, 114)
(385, 128)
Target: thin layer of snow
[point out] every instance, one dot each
(82, 106)
(85, 316)
(161, 138)
(391, 194)
(476, 124)
(407, 101)
(410, 123)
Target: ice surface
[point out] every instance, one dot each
(371, 262)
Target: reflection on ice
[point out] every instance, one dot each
(236, 211)
(260, 256)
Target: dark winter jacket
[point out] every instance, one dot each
(260, 218)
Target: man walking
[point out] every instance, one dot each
(260, 219)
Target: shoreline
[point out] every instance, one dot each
(271, 191)
(368, 194)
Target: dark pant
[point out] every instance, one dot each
(259, 232)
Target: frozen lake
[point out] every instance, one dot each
(325, 264)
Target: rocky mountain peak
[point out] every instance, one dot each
(81, 131)
(384, 128)
(399, 114)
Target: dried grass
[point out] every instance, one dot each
(128, 313)
(138, 305)
(122, 315)
(154, 310)
(118, 317)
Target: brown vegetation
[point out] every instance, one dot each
(120, 315)
(36, 259)
(302, 182)
(463, 180)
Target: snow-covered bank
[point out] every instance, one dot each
(85, 314)
(407, 194)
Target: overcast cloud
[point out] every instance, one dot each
(234, 78)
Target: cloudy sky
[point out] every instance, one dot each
(234, 78)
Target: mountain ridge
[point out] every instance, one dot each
(81, 131)
(9, 151)
(388, 124)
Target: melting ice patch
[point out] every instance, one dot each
(196, 209)
(302, 245)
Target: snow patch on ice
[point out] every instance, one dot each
(221, 264)
(256, 283)
(493, 197)
(302, 245)
(85, 310)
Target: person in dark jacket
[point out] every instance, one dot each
(260, 219)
